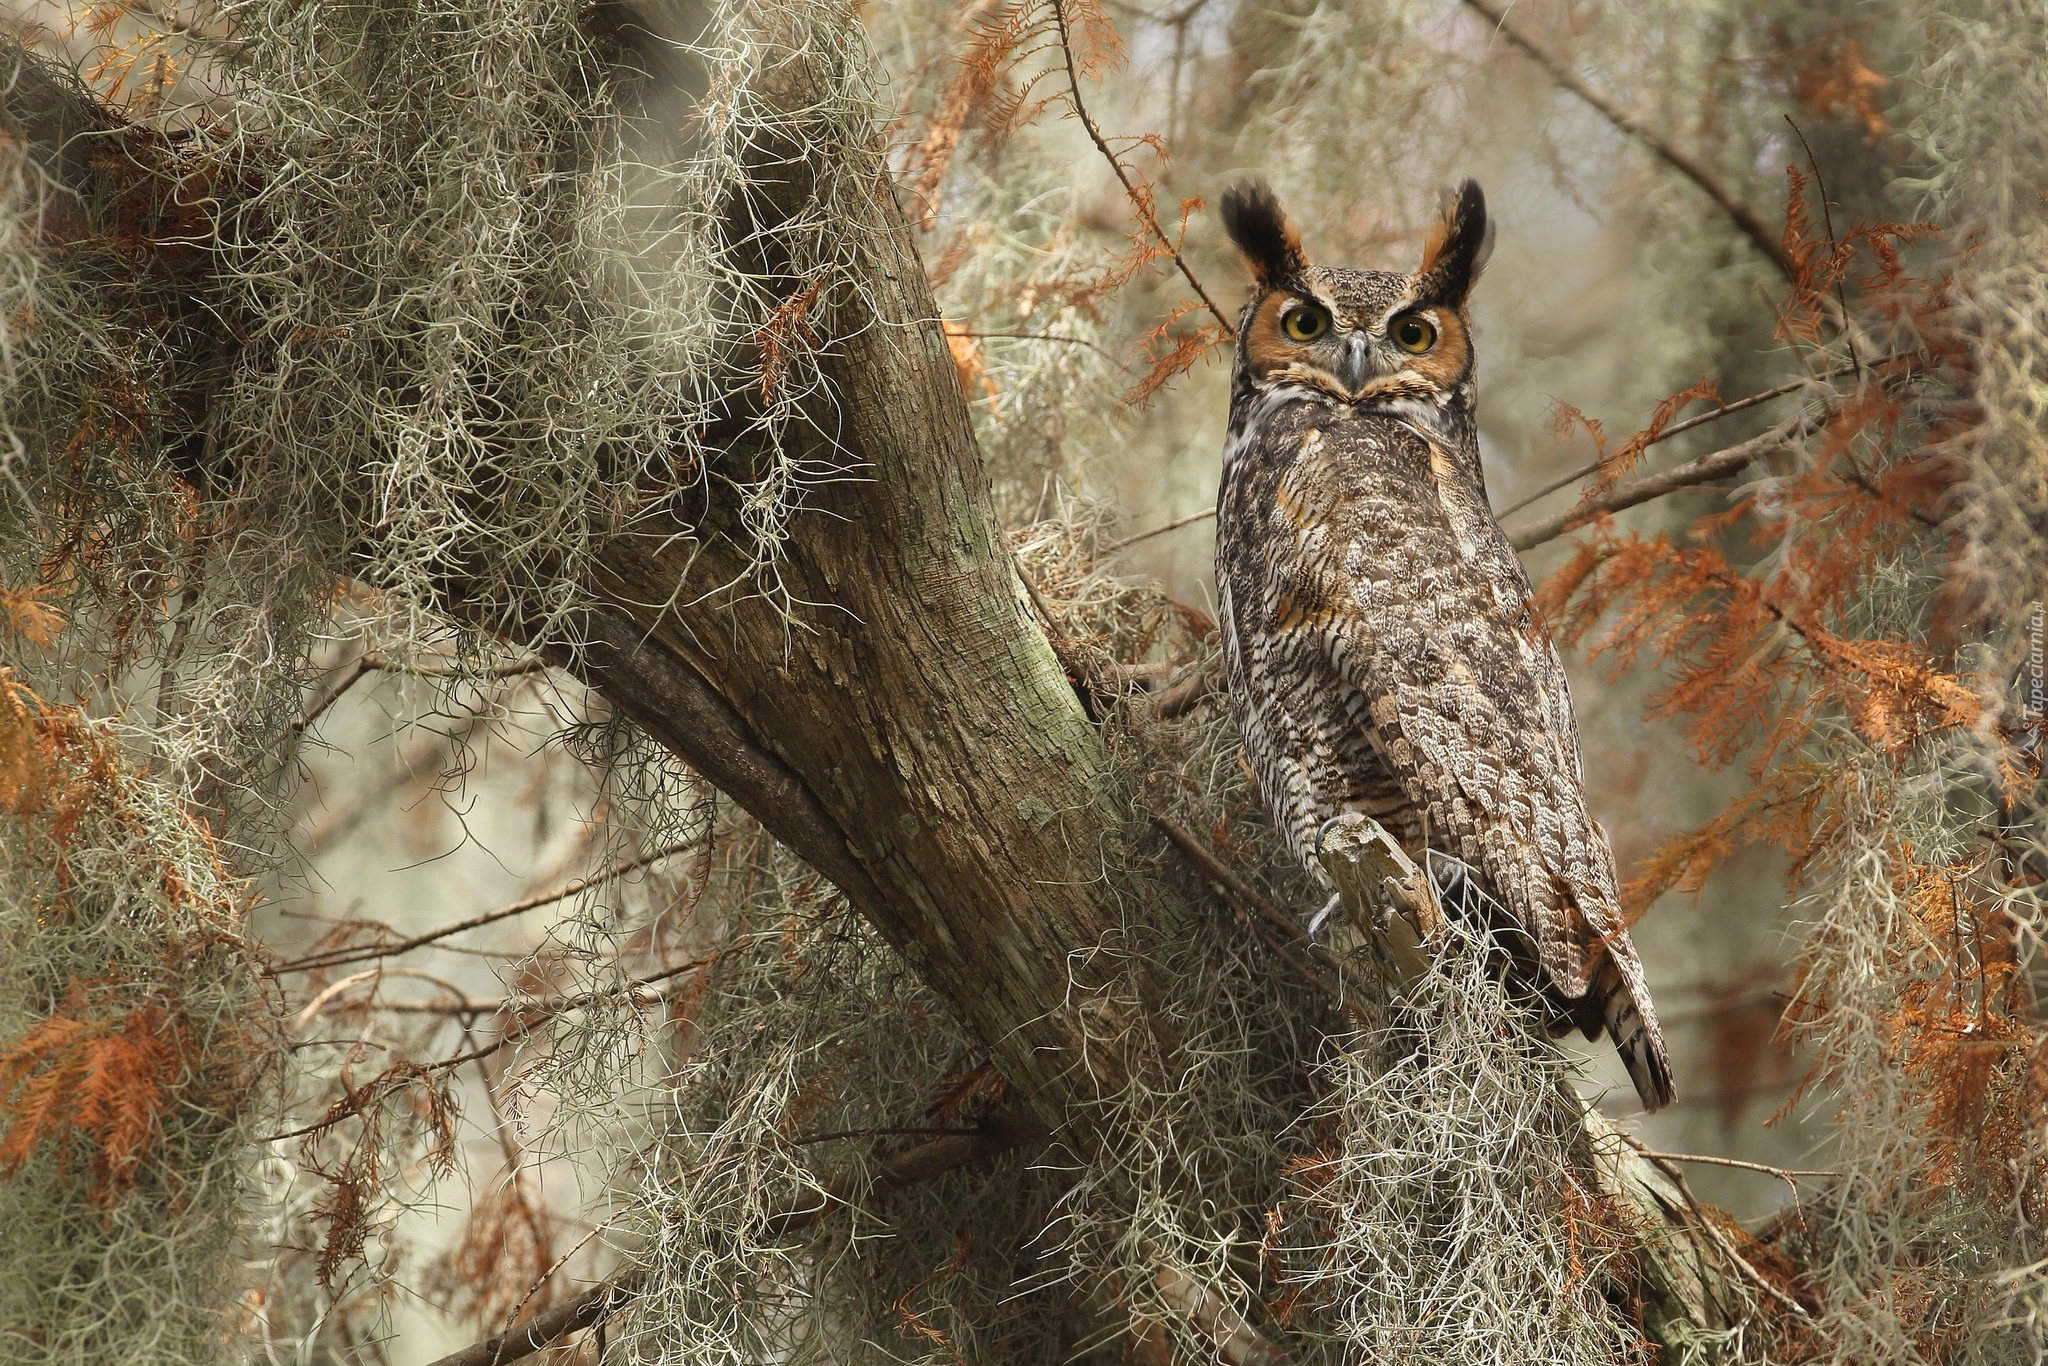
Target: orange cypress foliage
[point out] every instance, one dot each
(56, 766)
(1834, 77)
(995, 88)
(497, 1275)
(1013, 48)
(1563, 418)
(1750, 655)
(996, 35)
(1603, 1241)
(1173, 353)
(1757, 658)
(25, 612)
(967, 1096)
(1964, 1032)
(117, 1057)
(1965, 1039)
(105, 1082)
(787, 327)
(356, 1179)
(968, 363)
(1821, 270)
(916, 1323)
(1787, 808)
(1750, 672)
(57, 771)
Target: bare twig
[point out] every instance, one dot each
(1706, 1223)
(644, 991)
(1101, 351)
(1184, 696)
(518, 1029)
(1827, 218)
(332, 693)
(338, 957)
(537, 1335)
(1175, 525)
(376, 974)
(1141, 202)
(1782, 1173)
(1560, 71)
(926, 1131)
(1045, 612)
(1717, 465)
(181, 634)
(204, 24)
(513, 669)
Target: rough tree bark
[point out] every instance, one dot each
(896, 716)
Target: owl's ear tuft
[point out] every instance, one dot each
(1459, 242)
(1258, 226)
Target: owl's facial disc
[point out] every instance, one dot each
(1358, 338)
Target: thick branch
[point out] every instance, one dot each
(679, 707)
(894, 715)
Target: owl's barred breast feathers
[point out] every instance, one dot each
(1381, 649)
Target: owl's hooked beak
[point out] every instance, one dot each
(1355, 367)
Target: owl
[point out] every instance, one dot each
(1382, 650)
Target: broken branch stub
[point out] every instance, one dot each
(1385, 893)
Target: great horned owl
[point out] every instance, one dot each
(1382, 650)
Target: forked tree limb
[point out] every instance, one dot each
(1685, 163)
(892, 713)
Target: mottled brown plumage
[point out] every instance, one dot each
(1382, 651)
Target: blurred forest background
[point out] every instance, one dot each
(458, 854)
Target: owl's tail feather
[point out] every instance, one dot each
(1634, 1031)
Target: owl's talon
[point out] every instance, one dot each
(1323, 832)
(1317, 921)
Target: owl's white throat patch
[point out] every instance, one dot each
(1424, 418)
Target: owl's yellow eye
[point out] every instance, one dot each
(1414, 335)
(1305, 324)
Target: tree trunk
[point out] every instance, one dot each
(907, 728)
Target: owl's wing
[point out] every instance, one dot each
(1467, 705)
(1461, 718)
